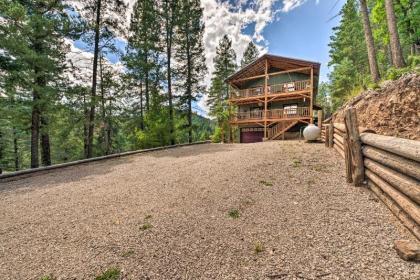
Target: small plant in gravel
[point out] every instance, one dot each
(265, 183)
(296, 162)
(146, 226)
(110, 274)
(47, 277)
(128, 253)
(234, 213)
(258, 247)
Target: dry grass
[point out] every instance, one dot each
(78, 222)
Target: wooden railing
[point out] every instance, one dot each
(289, 87)
(272, 89)
(289, 113)
(253, 115)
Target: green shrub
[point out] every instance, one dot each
(110, 274)
(234, 213)
(217, 136)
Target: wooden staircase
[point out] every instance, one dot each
(280, 128)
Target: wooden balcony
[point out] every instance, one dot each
(271, 115)
(257, 93)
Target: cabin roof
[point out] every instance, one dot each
(257, 67)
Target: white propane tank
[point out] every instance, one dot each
(311, 132)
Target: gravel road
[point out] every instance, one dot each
(274, 210)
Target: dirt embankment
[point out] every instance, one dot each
(394, 109)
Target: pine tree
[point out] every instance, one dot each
(143, 48)
(396, 50)
(170, 17)
(373, 64)
(224, 66)
(251, 53)
(34, 36)
(190, 57)
(348, 55)
(103, 18)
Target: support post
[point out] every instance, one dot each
(355, 146)
(312, 96)
(265, 97)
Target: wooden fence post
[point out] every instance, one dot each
(327, 134)
(354, 147)
(331, 135)
(348, 159)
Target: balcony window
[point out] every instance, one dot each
(290, 109)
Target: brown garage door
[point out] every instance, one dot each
(252, 135)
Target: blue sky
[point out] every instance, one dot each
(304, 32)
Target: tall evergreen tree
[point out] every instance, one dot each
(170, 17)
(34, 36)
(190, 57)
(103, 18)
(373, 63)
(143, 46)
(348, 54)
(396, 50)
(251, 53)
(224, 65)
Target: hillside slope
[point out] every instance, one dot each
(393, 109)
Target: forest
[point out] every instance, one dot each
(53, 110)
(376, 40)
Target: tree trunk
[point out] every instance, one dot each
(35, 129)
(91, 125)
(170, 7)
(2, 149)
(109, 130)
(15, 150)
(141, 107)
(397, 55)
(169, 77)
(373, 64)
(146, 83)
(189, 87)
(45, 142)
(103, 109)
(85, 124)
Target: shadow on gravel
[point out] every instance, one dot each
(62, 175)
(195, 150)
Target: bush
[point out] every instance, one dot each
(217, 136)
(395, 73)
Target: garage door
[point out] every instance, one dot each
(252, 135)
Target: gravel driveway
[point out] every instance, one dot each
(274, 210)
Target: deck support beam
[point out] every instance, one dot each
(265, 97)
(311, 114)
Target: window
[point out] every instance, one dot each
(290, 109)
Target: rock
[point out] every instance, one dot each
(408, 250)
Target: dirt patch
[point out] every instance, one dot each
(393, 110)
(273, 210)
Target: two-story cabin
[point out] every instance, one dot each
(273, 96)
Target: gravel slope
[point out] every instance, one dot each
(165, 215)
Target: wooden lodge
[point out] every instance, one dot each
(273, 97)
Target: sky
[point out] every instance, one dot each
(292, 28)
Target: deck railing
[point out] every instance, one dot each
(272, 89)
(298, 112)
